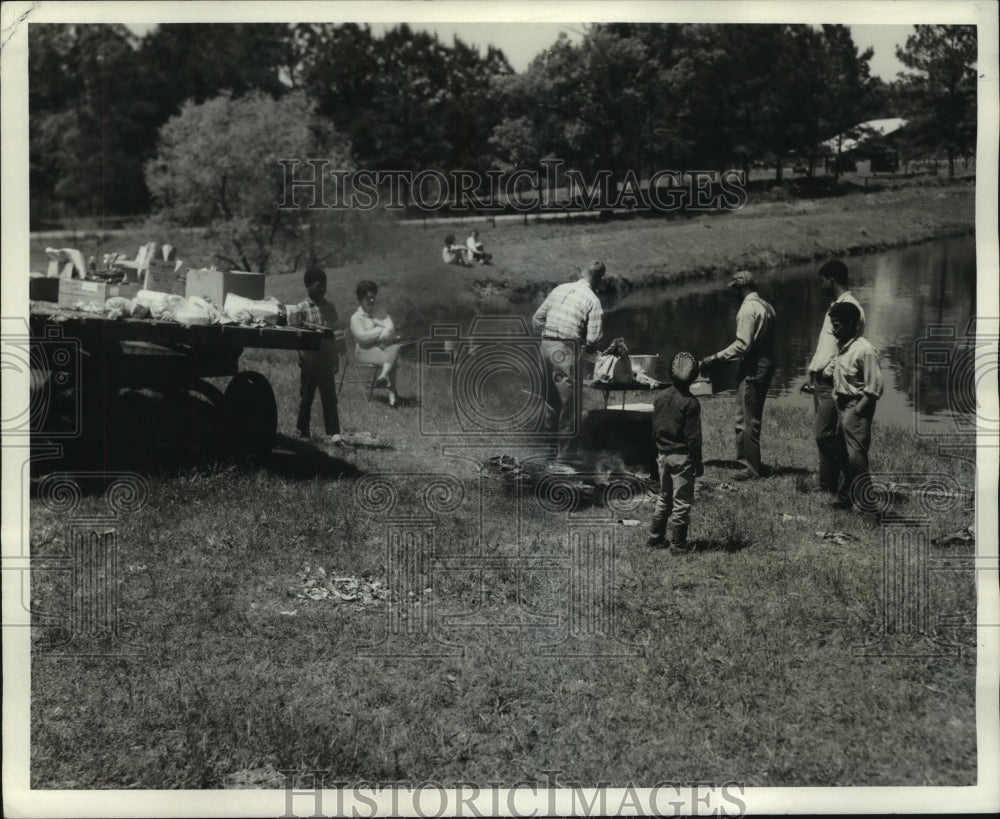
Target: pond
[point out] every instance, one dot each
(904, 292)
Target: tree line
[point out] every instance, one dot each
(113, 115)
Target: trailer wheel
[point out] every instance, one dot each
(206, 408)
(252, 416)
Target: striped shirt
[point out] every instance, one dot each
(572, 312)
(754, 328)
(856, 371)
(826, 347)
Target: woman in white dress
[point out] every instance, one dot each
(375, 337)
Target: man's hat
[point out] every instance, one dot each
(742, 278)
(684, 368)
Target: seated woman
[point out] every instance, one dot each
(375, 337)
(454, 254)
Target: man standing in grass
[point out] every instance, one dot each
(318, 368)
(833, 279)
(677, 434)
(569, 318)
(754, 348)
(857, 386)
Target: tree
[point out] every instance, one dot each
(82, 100)
(738, 90)
(217, 166)
(590, 104)
(98, 96)
(406, 100)
(944, 88)
(186, 61)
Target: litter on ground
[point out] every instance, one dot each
(316, 584)
(963, 537)
(837, 538)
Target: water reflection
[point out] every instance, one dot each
(903, 292)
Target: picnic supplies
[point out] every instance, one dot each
(160, 305)
(117, 307)
(72, 291)
(643, 365)
(195, 310)
(217, 285)
(613, 365)
(269, 311)
(68, 261)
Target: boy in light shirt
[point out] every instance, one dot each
(857, 386)
(834, 279)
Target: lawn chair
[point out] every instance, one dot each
(345, 351)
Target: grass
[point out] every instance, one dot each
(747, 671)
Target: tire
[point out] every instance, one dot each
(206, 422)
(251, 414)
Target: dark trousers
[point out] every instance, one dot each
(854, 438)
(317, 372)
(755, 378)
(825, 432)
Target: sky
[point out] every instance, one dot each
(522, 41)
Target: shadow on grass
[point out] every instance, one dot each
(153, 435)
(778, 471)
(728, 545)
(723, 464)
(302, 460)
(403, 402)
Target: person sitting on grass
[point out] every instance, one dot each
(677, 434)
(454, 254)
(375, 337)
(474, 249)
(857, 386)
(318, 368)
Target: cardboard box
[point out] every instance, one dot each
(65, 270)
(164, 278)
(215, 285)
(43, 288)
(72, 291)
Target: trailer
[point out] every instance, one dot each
(81, 363)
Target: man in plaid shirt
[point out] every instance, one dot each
(568, 319)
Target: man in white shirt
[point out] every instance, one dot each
(833, 277)
(475, 251)
(754, 348)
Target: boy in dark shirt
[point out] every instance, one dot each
(318, 368)
(677, 433)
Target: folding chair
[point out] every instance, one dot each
(345, 352)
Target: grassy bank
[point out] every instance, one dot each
(528, 259)
(746, 673)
